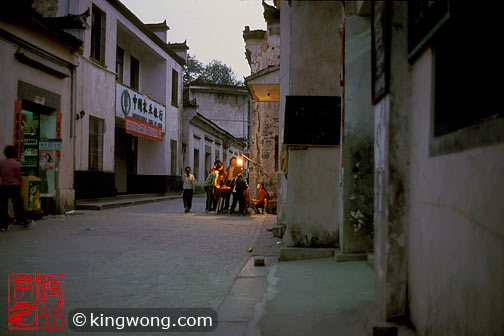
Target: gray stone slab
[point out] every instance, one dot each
(299, 253)
(230, 329)
(251, 271)
(342, 257)
(240, 302)
(373, 322)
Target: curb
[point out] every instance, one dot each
(118, 204)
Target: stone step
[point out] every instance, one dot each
(299, 253)
(342, 257)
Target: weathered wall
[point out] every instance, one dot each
(456, 236)
(312, 197)
(357, 173)
(229, 111)
(313, 172)
(391, 185)
(264, 139)
(263, 150)
(285, 22)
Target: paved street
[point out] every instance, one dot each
(151, 255)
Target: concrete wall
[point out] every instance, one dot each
(312, 197)
(392, 127)
(456, 237)
(439, 235)
(285, 22)
(229, 111)
(313, 172)
(357, 171)
(13, 72)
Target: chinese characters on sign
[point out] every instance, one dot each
(143, 129)
(35, 301)
(130, 103)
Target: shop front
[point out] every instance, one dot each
(140, 121)
(38, 141)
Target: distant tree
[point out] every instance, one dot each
(192, 70)
(214, 72)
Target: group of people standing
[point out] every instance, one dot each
(232, 178)
(220, 177)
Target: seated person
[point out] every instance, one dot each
(263, 195)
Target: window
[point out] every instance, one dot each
(95, 143)
(217, 154)
(98, 35)
(174, 91)
(173, 161)
(196, 164)
(119, 64)
(465, 85)
(134, 73)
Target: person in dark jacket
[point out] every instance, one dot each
(238, 186)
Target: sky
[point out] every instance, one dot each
(213, 28)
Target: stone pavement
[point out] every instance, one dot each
(305, 297)
(150, 255)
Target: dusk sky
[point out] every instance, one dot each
(213, 28)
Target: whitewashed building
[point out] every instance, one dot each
(128, 104)
(204, 141)
(39, 58)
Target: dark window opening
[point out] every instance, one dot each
(173, 161)
(119, 64)
(174, 98)
(98, 35)
(466, 70)
(196, 164)
(134, 73)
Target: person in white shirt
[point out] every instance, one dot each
(188, 189)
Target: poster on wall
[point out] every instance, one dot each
(380, 49)
(46, 159)
(133, 104)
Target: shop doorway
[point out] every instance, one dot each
(125, 157)
(38, 125)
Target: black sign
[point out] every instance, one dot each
(380, 49)
(312, 120)
(425, 18)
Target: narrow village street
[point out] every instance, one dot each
(145, 256)
(251, 168)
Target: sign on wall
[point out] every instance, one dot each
(137, 106)
(141, 128)
(312, 120)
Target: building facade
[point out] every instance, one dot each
(204, 142)
(39, 57)
(309, 120)
(129, 103)
(262, 49)
(418, 170)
